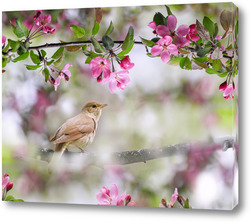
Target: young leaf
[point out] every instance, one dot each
(168, 10)
(217, 65)
(226, 19)
(43, 53)
(110, 29)
(95, 28)
(123, 53)
(46, 74)
(14, 45)
(186, 204)
(159, 19)
(58, 53)
(10, 198)
(97, 45)
(35, 58)
(21, 57)
(185, 63)
(107, 42)
(129, 39)
(207, 22)
(33, 67)
(98, 14)
(203, 52)
(202, 31)
(78, 31)
(148, 43)
(212, 71)
(20, 30)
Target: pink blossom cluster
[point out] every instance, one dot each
(172, 38)
(42, 21)
(6, 185)
(101, 69)
(111, 197)
(170, 204)
(227, 89)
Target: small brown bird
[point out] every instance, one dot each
(78, 131)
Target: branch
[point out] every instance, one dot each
(64, 44)
(143, 155)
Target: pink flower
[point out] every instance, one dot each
(9, 186)
(3, 39)
(223, 86)
(43, 20)
(64, 73)
(229, 92)
(191, 35)
(174, 199)
(100, 67)
(110, 196)
(131, 204)
(48, 29)
(169, 30)
(117, 80)
(5, 181)
(164, 47)
(153, 26)
(126, 64)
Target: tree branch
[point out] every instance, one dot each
(143, 155)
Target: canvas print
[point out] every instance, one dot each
(131, 106)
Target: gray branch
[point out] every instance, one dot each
(143, 155)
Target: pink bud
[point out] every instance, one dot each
(163, 201)
(5, 175)
(66, 77)
(99, 78)
(223, 86)
(128, 198)
(9, 186)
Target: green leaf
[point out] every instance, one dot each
(201, 59)
(84, 47)
(185, 63)
(175, 60)
(50, 62)
(10, 198)
(88, 59)
(58, 53)
(216, 30)
(203, 52)
(222, 75)
(129, 39)
(35, 58)
(46, 74)
(217, 65)
(18, 200)
(95, 28)
(207, 22)
(97, 45)
(78, 31)
(20, 30)
(21, 57)
(226, 19)
(211, 71)
(186, 204)
(156, 39)
(14, 45)
(43, 53)
(58, 62)
(159, 19)
(110, 29)
(123, 53)
(33, 67)
(107, 42)
(148, 43)
(91, 54)
(168, 10)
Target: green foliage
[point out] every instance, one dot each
(97, 46)
(207, 22)
(14, 45)
(159, 19)
(148, 43)
(34, 58)
(107, 42)
(58, 53)
(46, 74)
(95, 29)
(168, 10)
(185, 63)
(21, 57)
(186, 204)
(129, 39)
(20, 30)
(203, 52)
(110, 29)
(32, 67)
(11, 198)
(202, 31)
(78, 31)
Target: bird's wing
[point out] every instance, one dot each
(74, 129)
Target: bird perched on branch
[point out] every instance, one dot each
(78, 131)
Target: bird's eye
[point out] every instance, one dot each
(94, 106)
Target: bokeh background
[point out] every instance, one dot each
(162, 105)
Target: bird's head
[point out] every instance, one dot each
(93, 108)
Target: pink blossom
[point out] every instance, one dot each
(169, 30)
(153, 26)
(126, 64)
(164, 48)
(5, 180)
(223, 86)
(9, 186)
(131, 204)
(64, 73)
(110, 196)
(174, 199)
(3, 39)
(192, 31)
(43, 20)
(229, 92)
(100, 66)
(48, 29)
(117, 80)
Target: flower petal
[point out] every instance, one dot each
(152, 25)
(171, 22)
(180, 41)
(162, 30)
(182, 30)
(112, 85)
(114, 192)
(103, 198)
(57, 82)
(5, 182)
(165, 57)
(96, 71)
(173, 49)
(156, 50)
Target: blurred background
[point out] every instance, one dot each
(162, 105)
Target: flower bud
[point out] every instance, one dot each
(223, 86)
(5, 175)
(99, 78)
(127, 199)
(9, 186)
(163, 202)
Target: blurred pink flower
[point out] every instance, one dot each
(5, 181)
(192, 31)
(3, 39)
(131, 204)
(64, 73)
(164, 47)
(110, 196)
(223, 86)
(229, 92)
(174, 199)
(126, 64)
(100, 66)
(9, 186)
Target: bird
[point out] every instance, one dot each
(78, 131)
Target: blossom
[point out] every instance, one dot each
(229, 91)
(64, 73)
(43, 20)
(169, 30)
(164, 47)
(100, 66)
(48, 29)
(191, 35)
(126, 64)
(5, 181)
(9, 186)
(223, 86)
(3, 39)
(110, 196)
(153, 26)
(118, 79)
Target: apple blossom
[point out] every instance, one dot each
(64, 73)
(3, 39)
(126, 64)
(192, 31)
(100, 67)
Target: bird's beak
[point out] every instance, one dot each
(103, 105)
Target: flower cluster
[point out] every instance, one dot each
(170, 204)
(111, 197)
(6, 185)
(172, 38)
(227, 89)
(104, 71)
